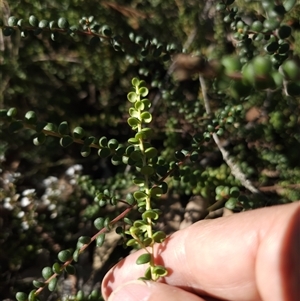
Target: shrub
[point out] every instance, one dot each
(147, 100)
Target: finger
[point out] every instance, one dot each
(151, 291)
(247, 256)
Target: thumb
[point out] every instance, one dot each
(150, 291)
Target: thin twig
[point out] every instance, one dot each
(235, 170)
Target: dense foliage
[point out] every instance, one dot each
(106, 108)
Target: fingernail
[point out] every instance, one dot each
(131, 291)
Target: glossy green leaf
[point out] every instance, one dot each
(99, 223)
(30, 117)
(131, 242)
(47, 273)
(140, 196)
(146, 117)
(134, 113)
(52, 284)
(84, 239)
(160, 271)
(104, 152)
(143, 91)
(47, 127)
(135, 82)
(66, 141)
(39, 139)
(156, 192)
(33, 21)
(56, 268)
(150, 214)
(147, 170)
(79, 132)
(100, 239)
(85, 151)
(43, 24)
(234, 192)
(20, 296)
(38, 284)
(159, 236)
(32, 296)
(64, 255)
(132, 97)
(133, 141)
(231, 203)
(133, 122)
(63, 128)
(289, 4)
(70, 269)
(113, 144)
(62, 23)
(144, 258)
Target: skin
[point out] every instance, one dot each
(250, 256)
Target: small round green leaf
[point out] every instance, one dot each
(76, 255)
(66, 141)
(99, 223)
(159, 236)
(133, 141)
(291, 70)
(140, 196)
(70, 269)
(131, 242)
(84, 239)
(151, 152)
(143, 91)
(63, 128)
(106, 30)
(32, 296)
(56, 268)
(100, 239)
(284, 31)
(179, 155)
(64, 255)
(79, 132)
(30, 117)
(146, 117)
(113, 144)
(104, 152)
(38, 284)
(43, 24)
(85, 151)
(47, 273)
(47, 127)
(234, 192)
(160, 271)
(52, 284)
(231, 203)
(20, 296)
(147, 170)
(144, 258)
(132, 97)
(12, 21)
(150, 214)
(103, 141)
(80, 296)
(33, 21)
(12, 112)
(156, 192)
(62, 23)
(133, 122)
(39, 139)
(135, 82)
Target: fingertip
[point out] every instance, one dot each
(150, 291)
(131, 291)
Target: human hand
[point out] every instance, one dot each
(250, 256)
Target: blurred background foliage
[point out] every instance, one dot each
(47, 192)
